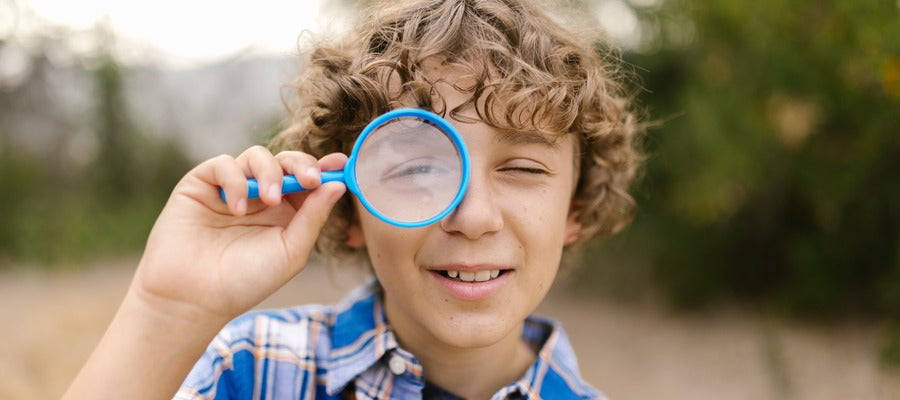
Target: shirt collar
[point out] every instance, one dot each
(555, 372)
(360, 336)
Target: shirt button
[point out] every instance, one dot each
(397, 365)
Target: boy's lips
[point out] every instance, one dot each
(471, 282)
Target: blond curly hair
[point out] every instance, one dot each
(529, 74)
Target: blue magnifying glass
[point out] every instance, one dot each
(408, 167)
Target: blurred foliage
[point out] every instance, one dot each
(55, 211)
(774, 174)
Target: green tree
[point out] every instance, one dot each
(113, 172)
(773, 175)
(54, 209)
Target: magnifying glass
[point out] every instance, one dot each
(409, 167)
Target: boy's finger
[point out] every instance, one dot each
(303, 166)
(224, 172)
(333, 162)
(303, 230)
(259, 163)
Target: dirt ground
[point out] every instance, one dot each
(53, 320)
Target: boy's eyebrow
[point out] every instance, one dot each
(525, 137)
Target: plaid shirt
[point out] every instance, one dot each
(318, 352)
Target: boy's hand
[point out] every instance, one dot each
(219, 260)
(205, 263)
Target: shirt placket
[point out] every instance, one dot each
(397, 375)
(408, 379)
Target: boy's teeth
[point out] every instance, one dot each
(466, 276)
(478, 276)
(482, 276)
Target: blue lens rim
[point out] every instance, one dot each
(350, 170)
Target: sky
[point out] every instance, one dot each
(185, 32)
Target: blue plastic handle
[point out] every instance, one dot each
(289, 184)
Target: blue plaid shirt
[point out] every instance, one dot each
(319, 352)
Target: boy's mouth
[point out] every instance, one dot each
(472, 282)
(471, 276)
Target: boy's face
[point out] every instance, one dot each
(513, 220)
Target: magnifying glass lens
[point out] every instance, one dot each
(409, 170)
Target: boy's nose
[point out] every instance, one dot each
(477, 214)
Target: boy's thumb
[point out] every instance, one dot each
(303, 230)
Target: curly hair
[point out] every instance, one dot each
(528, 73)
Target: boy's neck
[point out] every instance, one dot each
(476, 373)
(472, 373)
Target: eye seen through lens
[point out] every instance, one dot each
(408, 170)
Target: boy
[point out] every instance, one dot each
(550, 142)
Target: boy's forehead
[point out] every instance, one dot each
(502, 135)
(514, 137)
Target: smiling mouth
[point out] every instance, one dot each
(473, 276)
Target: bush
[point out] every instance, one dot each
(773, 176)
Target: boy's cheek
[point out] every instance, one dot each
(542, 205)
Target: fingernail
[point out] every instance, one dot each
(241, 207)
(274, 191)
(313, 173)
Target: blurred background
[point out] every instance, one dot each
(764, 261)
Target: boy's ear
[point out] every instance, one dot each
(355, 238)
(573, 227)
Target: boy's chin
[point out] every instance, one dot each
(475, 331)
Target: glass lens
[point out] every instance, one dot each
(408, 170)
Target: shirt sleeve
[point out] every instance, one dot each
(226, 368)
(264, 354)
